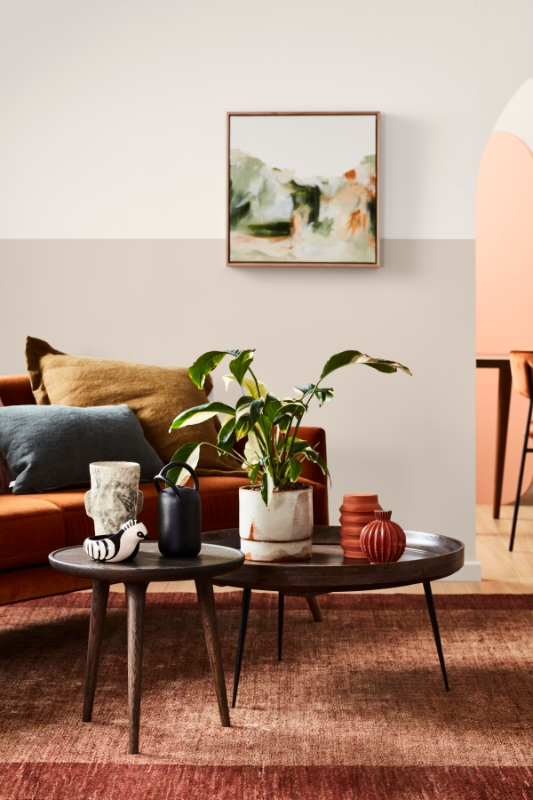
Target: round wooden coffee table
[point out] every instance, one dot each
(427, 557)
(149, 565)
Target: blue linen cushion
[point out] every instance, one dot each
(51, 447)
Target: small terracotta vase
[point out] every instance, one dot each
(357, 510)
(383, 540)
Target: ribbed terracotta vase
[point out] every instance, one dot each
(382, 540)
(357, 510)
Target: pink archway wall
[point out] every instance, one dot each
(504, 298)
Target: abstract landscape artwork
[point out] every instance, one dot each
(303, 189)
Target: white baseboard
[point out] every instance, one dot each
(470, 572)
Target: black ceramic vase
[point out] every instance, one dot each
(179, 516)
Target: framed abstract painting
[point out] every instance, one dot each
(303, 189)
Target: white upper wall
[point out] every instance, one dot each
(113, 112)
(517, 116)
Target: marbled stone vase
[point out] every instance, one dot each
(114, 497)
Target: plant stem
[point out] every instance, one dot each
(260, 424)
(235, 453)
(296, 427)
(256, 382)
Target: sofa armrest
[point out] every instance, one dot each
(15, 390)
(312, 472)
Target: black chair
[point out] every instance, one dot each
(521, 362)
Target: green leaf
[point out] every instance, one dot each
(283, 422)
(243, 426)
(272, 407)
(323, 395)
(242, 405)
(227, 445)
(292, 409)
(206, 363)
(189, 454)
(305, 390)
(298, 446)
(242, 418)
(355, 357)
(256, 409)
(226, 431)
(247, 415)
(295, 469)
(316, 458)
(267, 487)
(239, 365)
(253, 472)
(192, 416)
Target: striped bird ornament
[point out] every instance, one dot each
(120, 546)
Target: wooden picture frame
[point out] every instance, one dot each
(303, 189)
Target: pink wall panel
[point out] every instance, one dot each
(504, 296)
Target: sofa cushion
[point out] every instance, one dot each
(156, 395)
(30, 528)
(52, 446)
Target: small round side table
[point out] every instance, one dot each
(149, 565)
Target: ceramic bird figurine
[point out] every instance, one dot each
(120, 546)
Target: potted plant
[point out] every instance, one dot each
(276, 514)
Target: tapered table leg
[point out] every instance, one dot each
(135, 600)
(246, 595)
(96, 627)
(314, 607)
(281, 604)
(436, 634)
(206, 599)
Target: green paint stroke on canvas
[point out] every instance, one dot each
(276, 216)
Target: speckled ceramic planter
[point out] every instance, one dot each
(281, 531)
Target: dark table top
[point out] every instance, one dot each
(149, 564)
(427, 557)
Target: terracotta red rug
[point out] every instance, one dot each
(356, 709)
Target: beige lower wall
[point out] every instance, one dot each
(412, 440)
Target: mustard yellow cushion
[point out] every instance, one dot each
(155, 394)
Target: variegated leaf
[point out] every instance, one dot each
(355, 357)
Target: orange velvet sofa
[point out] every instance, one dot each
(33, 525)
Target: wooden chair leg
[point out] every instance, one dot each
(314, 607)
